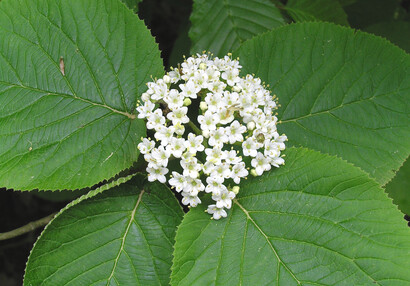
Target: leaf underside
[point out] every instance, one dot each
(315, 221)
(341, 92)
(124, 236)
(221, 26)
(70, 75)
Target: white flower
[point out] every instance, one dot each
(215, 185)
(193, 186)
(190, 89)
(234, 132)
(164, 134)
(157, 174)
(216, 212)
(187, 199)
(178, 181)
(231, 157)
(261, 163)
(174, 99)
(176, 147)
(191, 167)
(221, 170)
(249, 147)
(161, 155)
(224, 199)
(214, 155)
(239, 171)
(145, 110)
(146, 145)
(178, 115)
(218, 137)
(155, 119)
(193, 144)
(208, 121)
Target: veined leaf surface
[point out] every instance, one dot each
(221, 26)
(70, 75)
(123, 236)
(315, 221)
(341, 92)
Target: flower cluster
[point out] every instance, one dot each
(235, 122)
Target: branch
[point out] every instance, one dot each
(27, 228)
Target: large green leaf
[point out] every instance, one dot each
(322, 10)
(220, 26)
(316, 221)
(398, 32)
(73, 127)
(399, 188)
(341, 92)
(123, 236)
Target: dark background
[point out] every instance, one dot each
(169, 23)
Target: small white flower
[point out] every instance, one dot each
(176, 147)
(191, 167)
(164, 134)
(208, 121)
(157, 174)
(155, 119)
(190, 89)
(224, 199)
(214, 155)
(216, 212)
(239, 171)
(218, 137)
(178, 181)
(174, 99)
(194, 143)
(178, 115)
(146, 145)
(161, 155)
(187, 199)
(235, 131)
(146, 109)
(249, 147)
(261, 164)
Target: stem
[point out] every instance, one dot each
(195, 128)
(27, 228)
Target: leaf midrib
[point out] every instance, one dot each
(125, 235)
(72, 96)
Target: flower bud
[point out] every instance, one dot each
(166, 79)
(202, 66)
(203, 106)
(251, 125)
(235, 189)
(205, 133)
(253, 173)
(187, 102)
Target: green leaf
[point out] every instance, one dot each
(399, 188)
(220, 26)
(363, 13)
(123, 236)
(316, 221)
(398, 32)
(341, 92)
(322, 10)
(71, 130)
